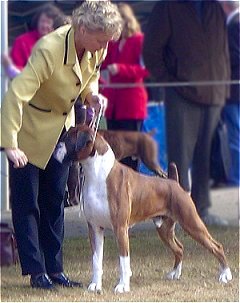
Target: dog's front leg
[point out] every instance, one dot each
(125, 270)
(96, 236)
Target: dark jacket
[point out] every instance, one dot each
(234, 48)
(179, 47)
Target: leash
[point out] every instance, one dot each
(95, 122)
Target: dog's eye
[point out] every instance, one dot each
(82, 139)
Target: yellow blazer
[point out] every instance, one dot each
(39, 102)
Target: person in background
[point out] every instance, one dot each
(37, 109)
(186, 41)
(230, 112)
(127, 107)
(47, 18)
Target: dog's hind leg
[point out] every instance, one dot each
(125, 270)
(194, 226)
(167, 234)
(96, 236)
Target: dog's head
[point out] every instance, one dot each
(78, 144)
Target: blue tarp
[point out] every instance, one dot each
(156, 120)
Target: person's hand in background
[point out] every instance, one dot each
(113, 69)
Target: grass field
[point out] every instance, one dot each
(150, 261)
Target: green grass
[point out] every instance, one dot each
(150, 261)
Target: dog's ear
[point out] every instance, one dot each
(172, 171)
(100, 145)
(82, 139)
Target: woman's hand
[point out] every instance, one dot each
(97, 102)
(17, 156)
(113, 69)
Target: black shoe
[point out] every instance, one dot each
(62, 280)
(41, 281)
(214, 220)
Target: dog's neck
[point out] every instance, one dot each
(100, 163)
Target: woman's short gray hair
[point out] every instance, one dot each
(99, 15)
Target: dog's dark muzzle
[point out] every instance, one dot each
(70, 145)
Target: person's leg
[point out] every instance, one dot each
(201, 161)
(26, 217)
(232, 119)
(182, 122)
(51, 231)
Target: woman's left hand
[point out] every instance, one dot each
(97, 102)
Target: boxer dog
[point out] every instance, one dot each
(132, 143)
(117, 197)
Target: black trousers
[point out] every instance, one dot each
(38, 215)
(127, 125)
(189, 131)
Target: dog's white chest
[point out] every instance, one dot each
(96, 205)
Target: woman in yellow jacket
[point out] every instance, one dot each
(37, 108)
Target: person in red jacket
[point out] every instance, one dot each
(47, 18)
(127, 106)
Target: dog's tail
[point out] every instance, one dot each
(173, 172)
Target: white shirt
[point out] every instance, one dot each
(232, 15)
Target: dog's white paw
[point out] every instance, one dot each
(175, 274)
(225, 275)
(94, 287)
(121, 288)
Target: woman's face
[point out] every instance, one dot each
(91, 41)
(45, 25)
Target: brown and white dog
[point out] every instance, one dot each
(134, 144)
(117, 197)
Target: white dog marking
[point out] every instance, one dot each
(97, 261)
(175, 273)
(125, 274)
(225, 275)
(96, 206)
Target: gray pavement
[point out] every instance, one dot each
(225, 203)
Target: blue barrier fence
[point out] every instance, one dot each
(156, 120)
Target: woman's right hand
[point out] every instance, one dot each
(17, 156)
(113, 69)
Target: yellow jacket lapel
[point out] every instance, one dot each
(70, 57)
